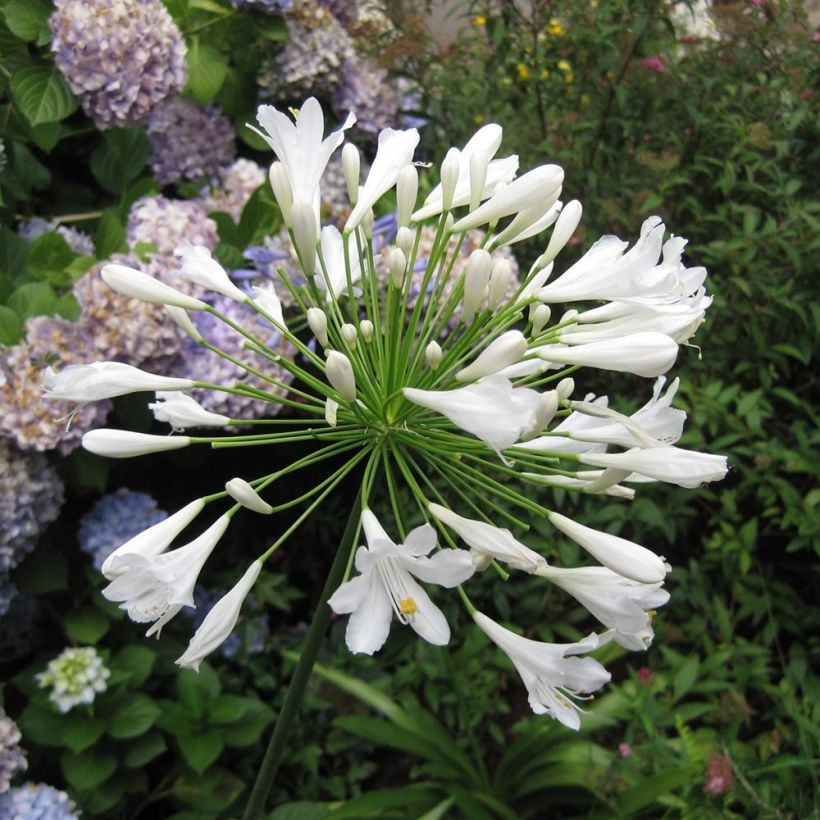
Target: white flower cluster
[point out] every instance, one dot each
(456, 388)
(75, 676)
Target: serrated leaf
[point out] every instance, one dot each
(201, 749)
(42, 94)
(207, 70)
(28, 19)
(135, 718)
(11, 326)
(86, 626)
(13, 252)
(144, 749)
(34, 299)
(196, 688)
(248, 730)
(41, 725)
(119, 160)
(48, 257)
(110, 235)
(68, 307)
(87, 770)
(79, 731)
(136, 661)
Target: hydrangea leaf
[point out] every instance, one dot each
(42, 94)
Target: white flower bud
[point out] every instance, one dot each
(183, 321)
(546, 410)
(182, 411)
(500, 279)
(317, 321)
(407, 189)
(305, 234)
(242, 492)
(449, 178)
(339, 373)
(351, 168)
(568, 316)
(105, 380)
(478, 177)
(367, 223)
(433, 354)
(405, 239)
(449, 222)
(476, 279)
(507, 349)
(396, 265)
(138, 285)
(280, 184)
(539, 317)
(124, 444)
(366, 329)
(565, 388)
(349, 334)
(562, 232)
(200, 267)
(331, 408)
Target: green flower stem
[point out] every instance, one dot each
(393, 495)
(310, 651)
(561, 374)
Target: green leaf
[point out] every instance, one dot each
(135, 718)
(228, 708)
(650, 789)
(41, 725)
(11, 326)
(302, 810)
(257, 219)
(83, 470)
(34, 299)
(247, 731)
(272, 28)
(42, 94)
(48, 258)
(42, 571)
(13, 252)
(110, 235)
(28, 19)
(207, 70)
(87, 770)
(119, 160)
(685, 677)
(210, 793)
(144, 749)
(68, 307)
(87, 626)
(136, 661)
(79, 731)
(200, 749)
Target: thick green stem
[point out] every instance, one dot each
(296, 690)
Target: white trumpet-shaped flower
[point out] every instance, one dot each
(156, 588)
(301, 146)
(200, 267)
(138, 285)
(105, 380)
(550, 673)
(331, 276)
(395, 150)
(507, 349)
(266, 298)
(619, 603)
(220, 621)
(492, 409)
(182, 411)
(152, 541)
(387, 585)
(686, 468)
(113, 443)
(488, 542)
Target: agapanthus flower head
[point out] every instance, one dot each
(189, 141)
(76, 676)
(37, 801)
(416, 362)
(121, 57)
(12, 757)
(114, 519)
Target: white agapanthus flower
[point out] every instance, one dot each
(387, 586)
(438, 382)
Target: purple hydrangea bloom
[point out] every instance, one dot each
(121, 57)
(270, 6)
(233, 188)
(37, 801)
(366, 89)
(114, 519)
(30, 500)
(79, 241)
(188, 141)
(165, 223)
(12, 757)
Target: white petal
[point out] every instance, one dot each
(447, 568)
(369, 625)
(350, 595)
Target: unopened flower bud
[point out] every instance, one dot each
(138, 285)
(349, 334)
(280, 184)
(350, 168)
(331, 408)
(568, 316)
(500, 279)
(478, 177)
(547, 409)
(305, 234)
(405, 239)
(242, 492)
(396, 265)
(507, 349)
(539, 318)
(449, 178)
(433, 354)
(317, 321)
(565, 388)
(562, 232)
(366, 329)
(124, 443)
(367, 223)
(448, 223)
(183, 321)
(339, 373)
(407, 189)
(476, 279)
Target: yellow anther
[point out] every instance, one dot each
(407, 606)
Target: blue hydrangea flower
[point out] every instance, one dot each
(12, 757)
(114, 519)
(37, 801)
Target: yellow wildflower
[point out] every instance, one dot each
(479, 20)
(523, 72)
